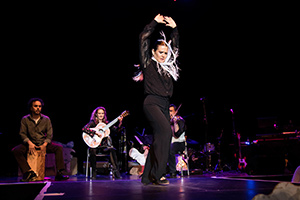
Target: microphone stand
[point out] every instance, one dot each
(204, 119)
(208, 154)
(218, 166)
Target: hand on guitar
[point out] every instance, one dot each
(120, 118)
(99, 134)
(99, 131)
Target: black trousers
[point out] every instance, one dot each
(176, 147)
(20, 153)
(156, 110)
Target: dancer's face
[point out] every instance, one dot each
(160, 54)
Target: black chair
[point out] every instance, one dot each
(98, 155)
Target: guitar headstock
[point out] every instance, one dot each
(124, 113)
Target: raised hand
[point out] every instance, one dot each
(170, 22)
(160, 19)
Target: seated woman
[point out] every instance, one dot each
(99, 116)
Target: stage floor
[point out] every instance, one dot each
(222, 186)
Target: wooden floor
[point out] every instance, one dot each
(211, 187)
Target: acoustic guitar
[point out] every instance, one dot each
(102, 131)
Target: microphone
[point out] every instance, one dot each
(202, 98)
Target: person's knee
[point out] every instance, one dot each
(296, 176)
(58, 148)
(16, 151)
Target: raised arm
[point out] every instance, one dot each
(174, 35)
(144, 38)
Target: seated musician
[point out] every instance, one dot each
(139, 156)
(178, 139)
(99, 116)
(36, 133)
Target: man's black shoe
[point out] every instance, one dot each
(60, 177)
(29, 176)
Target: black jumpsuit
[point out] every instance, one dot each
(158, 90)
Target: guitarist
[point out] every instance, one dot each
(99, 115)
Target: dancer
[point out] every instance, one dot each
(159, 67)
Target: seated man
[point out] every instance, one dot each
(36, 133)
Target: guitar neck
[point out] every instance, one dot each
(110, 124)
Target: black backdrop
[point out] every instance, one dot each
(77, 56)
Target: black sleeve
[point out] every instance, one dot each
(87, 128)
(116, 128)
(144, 43)
(175, 39)
(181, 130)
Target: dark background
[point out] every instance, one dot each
(77, 56)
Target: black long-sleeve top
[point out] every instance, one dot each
(88, 126)
(154, 83)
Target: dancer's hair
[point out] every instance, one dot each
(169, 67)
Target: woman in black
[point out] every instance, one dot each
(158, 69)
(98, 116)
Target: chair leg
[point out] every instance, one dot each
(181, 170)
(187, 164)
(111, 173)
(87, 163)
(187, 159)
